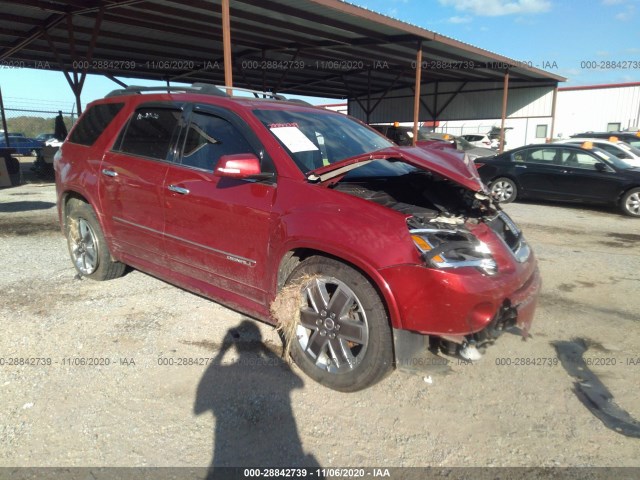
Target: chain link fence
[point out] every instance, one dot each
(32, 118)
(29, 124)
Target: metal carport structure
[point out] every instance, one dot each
(322, 48)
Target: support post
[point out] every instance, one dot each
(553, 113)
(4, 121)
(368, 96)
(416, 97)
(226, 43)
(505, 97)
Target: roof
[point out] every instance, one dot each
(325, 48)
(600, 87)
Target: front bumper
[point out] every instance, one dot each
(460, 302)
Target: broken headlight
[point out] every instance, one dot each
(443, 248)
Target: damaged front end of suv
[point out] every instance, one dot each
(472, 275)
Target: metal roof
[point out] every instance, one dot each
(325, 48)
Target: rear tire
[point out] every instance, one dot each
(343, 339)
(630, 203)
(87, 245)
(504, 190)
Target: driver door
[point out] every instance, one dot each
(217, 230)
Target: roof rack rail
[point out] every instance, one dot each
(203, 88)
(256, 93)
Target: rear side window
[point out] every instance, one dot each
(151, 132)
(93, 123)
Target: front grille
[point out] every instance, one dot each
(511, 235)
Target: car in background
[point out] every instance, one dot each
(43, 137)
(612, 145)
(480, 140)
(462, 145)
(400, 135)
(631, 138)
(563, 172)
(22, 145)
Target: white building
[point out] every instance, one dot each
(595, 108)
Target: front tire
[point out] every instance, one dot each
(504, 190)
(630, 203)
(87, 245)
(343, 339)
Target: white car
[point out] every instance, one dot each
(613, 146)
(480, 140)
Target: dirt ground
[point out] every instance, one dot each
(136, 372)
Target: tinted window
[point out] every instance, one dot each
(93, 123)
(575, 159)
(536, 155)
(150, 132)
(208, 138)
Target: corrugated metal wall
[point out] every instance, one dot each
(475, 101)
(579, 111)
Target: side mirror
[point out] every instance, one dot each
(240, 165)
(601, 167)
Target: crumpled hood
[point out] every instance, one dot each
(450, 164)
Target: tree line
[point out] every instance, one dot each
(31, 126)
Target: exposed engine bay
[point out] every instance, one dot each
(439, 209)
(426, 196)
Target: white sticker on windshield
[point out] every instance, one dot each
(602, 155)
(294, 139)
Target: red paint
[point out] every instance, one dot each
(226, 238)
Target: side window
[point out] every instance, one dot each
(150, 132)
(210, 137)
(575, 159)
(541, 155)
(93, 123)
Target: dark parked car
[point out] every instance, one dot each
(234, 198)
(563, 172)
(22, 145)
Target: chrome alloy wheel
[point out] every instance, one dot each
(333, 331)
(633, 203)
(84, 249)
(502, 191)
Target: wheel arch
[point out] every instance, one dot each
(66, 200)
(295, 256)
(624, 191)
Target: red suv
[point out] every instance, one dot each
(235, 197)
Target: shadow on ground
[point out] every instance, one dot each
(247, 387)
(25, 206)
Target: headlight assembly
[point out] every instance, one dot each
(442, 248)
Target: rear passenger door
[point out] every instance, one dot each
(538, 170)
(218, 229)
(132, 179)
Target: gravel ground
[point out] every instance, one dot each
(142, 406)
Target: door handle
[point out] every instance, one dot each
(180, 190)
(109, 173)
(521, 166)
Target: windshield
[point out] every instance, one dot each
(315, 139)
(629, 148)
